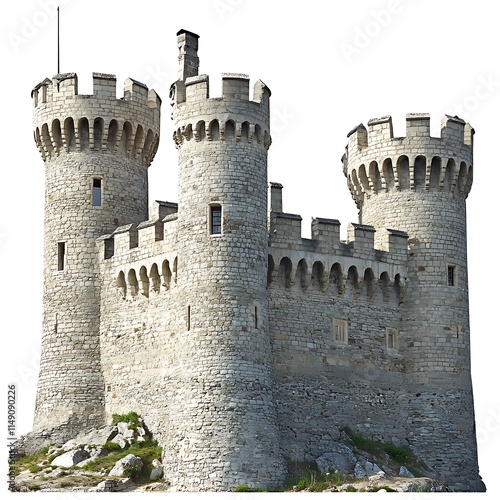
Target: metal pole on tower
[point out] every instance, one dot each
(58, 46)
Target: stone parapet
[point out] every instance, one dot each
(65, 120)
(375, 161)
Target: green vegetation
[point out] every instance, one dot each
(305, 476)
(401, 455)
(378, 488)
(132, 418)
(31, 462)
(244, 488)
(148, 450)
(363, 443)
(110, 446)
(132, 472)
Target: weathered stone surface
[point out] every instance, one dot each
(365, 468)
(122, 427)
(422, 485)
(379, 476)
(96, 451)
(94, 454)
(55, 472)
(119, 439)
(128, 462)
(70, 458)
(109, 485)
(129, 435)
(100, 436)
(340, 458)
(359, 471)
(96, 437)
(404, 472)
(157, 471)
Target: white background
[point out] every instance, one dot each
(329, 65)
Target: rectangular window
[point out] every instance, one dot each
(340, 331)
(215, 219)
(188, 319)
(451, 276)
(61, 255)
(96, 192)
(391, 338)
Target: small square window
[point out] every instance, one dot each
(340, 331)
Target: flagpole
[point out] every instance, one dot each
(58, 47)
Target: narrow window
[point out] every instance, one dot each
(451, 276)
(215, 219)
(340, 331)
(61, 255)
(96, 192)
(256, 317)
(188, 319)
(391, 335)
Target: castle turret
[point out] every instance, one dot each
(223, 387)
(96, 150)
(419, 184)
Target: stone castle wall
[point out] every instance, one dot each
(320, 384)
(241, 343)
(82, 139)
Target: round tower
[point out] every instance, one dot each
(419, 184)
(223, 427)
(96, 150)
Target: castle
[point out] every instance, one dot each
(242, 344)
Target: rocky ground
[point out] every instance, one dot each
(125, 457)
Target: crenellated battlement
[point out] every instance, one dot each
(454, 130)
(376, 161)
(382, 251)
(235, 87)
(65, 86)
(142, 257)
(232, 117)
(66, 121)
(235, 116)
(140, 238)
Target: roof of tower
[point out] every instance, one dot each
(182, 31)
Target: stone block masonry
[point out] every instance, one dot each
(96, 151)
(242, 344)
